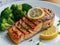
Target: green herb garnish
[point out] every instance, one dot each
(32, 16)
(30, 40)
(37, 43)
(36, 15)
(23, 28)
(58, 23)
(58, 32)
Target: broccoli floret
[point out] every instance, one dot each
(26, 7)
(16, 7)
(10, 21)
(5, 23)
(20, 10)
(6, 19)
(4, 26)
(17, 11)
(7, 13)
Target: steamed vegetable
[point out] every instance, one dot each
(58, 23)
(5, 23)
(7, 19)
(20, 10)
(38, 43)
(26, 7)
(7, 13)
(17, 11)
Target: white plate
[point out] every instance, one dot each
(4, 40)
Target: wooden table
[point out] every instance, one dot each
(54, 1)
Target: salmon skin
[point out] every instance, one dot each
(26, 28)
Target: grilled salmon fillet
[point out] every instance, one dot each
(25, 27)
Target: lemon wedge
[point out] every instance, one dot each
(36, 13)
(49, 34)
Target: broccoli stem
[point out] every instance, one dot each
(7, 25)
(10, 21)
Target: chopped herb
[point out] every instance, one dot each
(30, 40)
(36, 15)
(32, 16)
(58, 23)
(23, 28)
(37, 43)
(58, 32)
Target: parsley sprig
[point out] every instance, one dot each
(38, 43)
(58, 32)
(58, 23)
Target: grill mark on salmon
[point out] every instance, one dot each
(50, 14)
(26, 26)
(29, 28)
(31, 31)
(33, 21)
(15, 35)
(28, 22)
(16, 31)
(25, 32)
(47, 15)
(17, 24)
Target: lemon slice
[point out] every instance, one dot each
(49, 34)
(36, 13)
